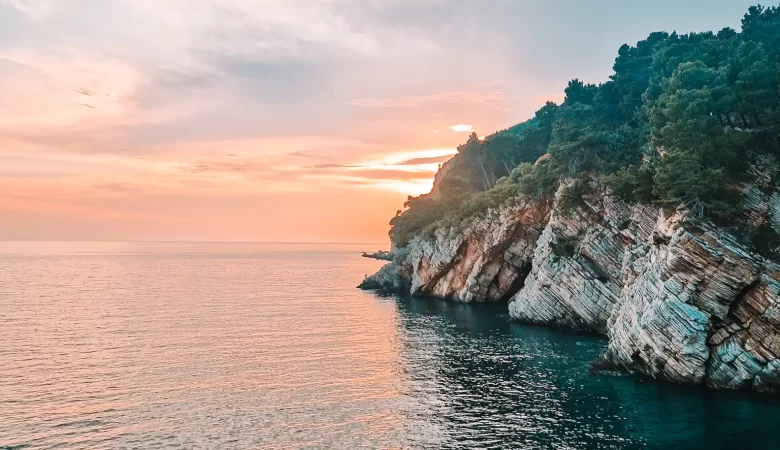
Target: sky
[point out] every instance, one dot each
(277, 120)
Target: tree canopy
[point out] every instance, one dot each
(682, 120)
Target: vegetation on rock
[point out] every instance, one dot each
(683, 120)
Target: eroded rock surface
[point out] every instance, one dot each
(745, 347)
(391, 279)
(483, 260)
(486, 260)
(684, 303)
(577, 267)
(681, 290)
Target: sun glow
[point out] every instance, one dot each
(397, 158)
(411, 173)
(462, 128)
(413, 188)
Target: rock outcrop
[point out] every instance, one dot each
(483, 260)
(577, 267)
(486, 260)
(390, 279)
(680, 302)
(380, 255)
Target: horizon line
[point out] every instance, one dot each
(189, 241)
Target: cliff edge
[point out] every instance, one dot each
(645, 208)
(683, 302)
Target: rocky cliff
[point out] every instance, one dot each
(485, 259)
(680, 302)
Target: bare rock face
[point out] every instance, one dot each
(390, 279)
(682, 291)
(577, 267)
(679, 302)
(485, 261)
(746, 346)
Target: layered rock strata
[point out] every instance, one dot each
(680, 302)
(483, 260)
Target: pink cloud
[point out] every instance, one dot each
(462, 128)
(418, 101)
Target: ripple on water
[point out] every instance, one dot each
(180, 345)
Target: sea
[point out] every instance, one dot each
(180, 345)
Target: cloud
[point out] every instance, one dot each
(197, 98)
(461, 128)
(33, 9)
(330, 166)
(418, 101)
(387, 174)
(117, 187)
(51, 90)
(428, 160)
(277, 30)
(229, 167)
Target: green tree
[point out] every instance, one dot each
(684, 119)
(682, 178)
(579, 92)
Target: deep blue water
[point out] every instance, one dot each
(508, 384)
(245, 346)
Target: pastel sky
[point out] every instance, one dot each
(277, 120)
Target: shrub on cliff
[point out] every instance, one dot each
(682, 120)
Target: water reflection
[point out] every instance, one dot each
(235, 346)
(482, 381)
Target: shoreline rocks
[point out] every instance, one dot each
(380, 255)
(678, 302)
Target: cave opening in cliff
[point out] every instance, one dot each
(518, 283)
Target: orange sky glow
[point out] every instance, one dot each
(263, 120)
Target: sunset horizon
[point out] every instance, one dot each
(293, 121)
(389, 224)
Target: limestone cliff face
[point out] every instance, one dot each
(675, 295)
(577, 267)
(483, 260)
(678, 302)
(683, 303)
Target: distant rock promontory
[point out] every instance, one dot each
(380, 255)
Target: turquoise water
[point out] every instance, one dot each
(234, 346)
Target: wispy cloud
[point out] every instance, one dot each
(190, 100)
(34, 9)
(117, 187)
(54, 90)
(331, 166)
(428, 160)
(462, 128)
(418, 101)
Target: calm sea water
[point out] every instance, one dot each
(245, 346)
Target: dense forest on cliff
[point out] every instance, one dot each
(685, 119)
